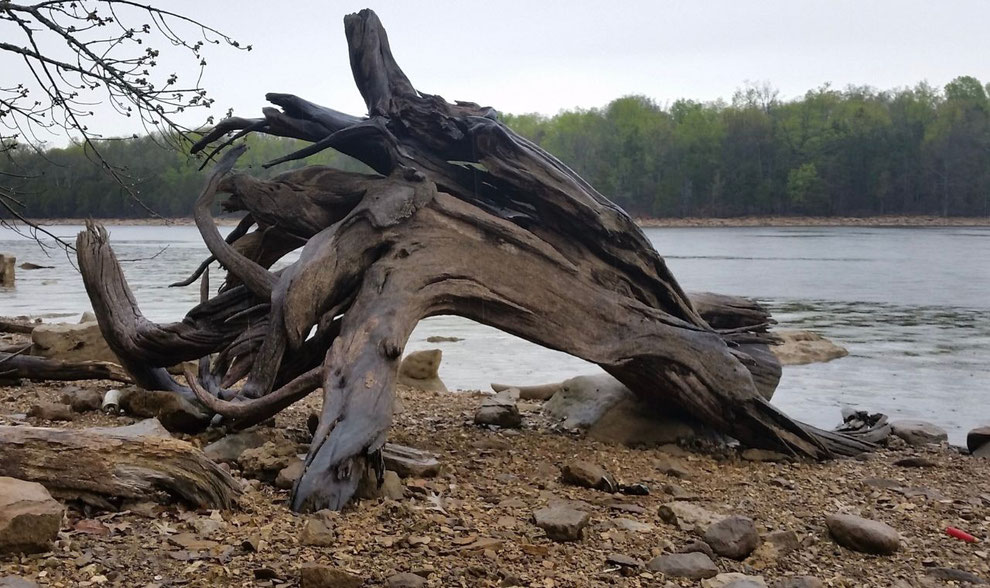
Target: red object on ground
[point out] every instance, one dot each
(961, 535)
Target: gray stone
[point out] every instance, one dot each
(630, 525)
(409, 462)
(734, 537)
(562, 523)
(918, 433)
(954, 575)
(29, 517)
(734, 580)
(51, 411)
(688, 517)
(420, 370)
(799, 582)
(288, 475)
(693, 566)
(863, 535)
(697, 547)
(500, 412)
(313, 575)
(82, 399)
(229, 448)
(142, 428)
(406, 580)
(803, 347)
(16, 582)
(978, 441)
(587, 475)
(611, 413)
(624, 561)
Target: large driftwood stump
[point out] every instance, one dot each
(102, 465)
(464, 217)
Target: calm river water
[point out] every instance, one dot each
(912, 305)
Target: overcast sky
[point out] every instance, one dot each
(544, 56)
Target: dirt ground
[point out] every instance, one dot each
(472, 525)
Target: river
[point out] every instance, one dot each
(912, 306)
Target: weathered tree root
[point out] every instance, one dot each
(466, 218)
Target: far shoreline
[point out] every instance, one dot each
(734, 222)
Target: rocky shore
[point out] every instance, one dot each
(535, 505)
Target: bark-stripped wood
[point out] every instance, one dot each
(465, 218)
(100, 466)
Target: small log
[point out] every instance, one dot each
(102, 466)
(29, 367)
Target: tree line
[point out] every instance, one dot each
(857, 151)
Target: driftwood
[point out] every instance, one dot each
(103, 466)
(464, 217)
(29, 367)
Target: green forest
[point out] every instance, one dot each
(852, 152)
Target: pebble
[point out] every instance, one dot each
(863, 535)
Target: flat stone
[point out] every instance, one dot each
(734, 537)
(630, 525)
(799, 582)
(29, 517)
(229, 448)
(313, 575)
(51, 411)
(863, 535)
(409, 462)
(587, 475)
(406, 580)
(624, 561)
(693, 566)
(954, 575)
(671, 466)
(734, 580)
(561, 523)
(688, 516)
(71, 342)
(918, 433)
(16, 582)
(697, 546)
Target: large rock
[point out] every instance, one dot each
(801, 347)
(610, 412)
(863, 535)
(71, 342)
(688, 516)
(174, 412)
(978, 442)
(918, 433)
(500, 411)
(29, 517)
(82, 399)
(693, 566)
(735, 537)
(409, 462)
(51, 411)
(264, 463)
(562, 523)
(420, 369)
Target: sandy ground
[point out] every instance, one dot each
(472, 525)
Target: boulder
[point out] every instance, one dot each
(587, 475)
(229, 449)
(174, 412)
(918, 433)
(864, 535)
(420, 370)
(71, 342)
(562, 523)
(312, 575)
(734, 537)
(611, 413)
(978, 442)
(801, 347)
(29, 517)
(693, 566)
